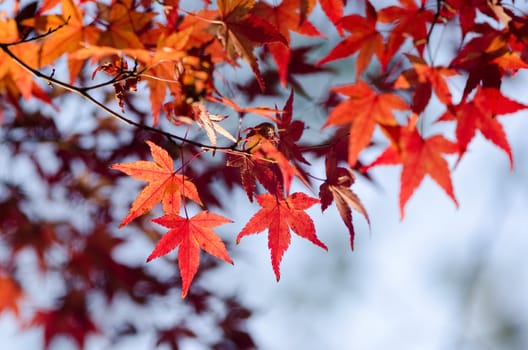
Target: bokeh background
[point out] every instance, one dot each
(442, 278)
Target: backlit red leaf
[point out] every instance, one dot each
(189, 236)
(480, 113)
(410, 20)
(285, 17)
(363, 110)
(364, 38)
(239, 30)
(424, 79)
(278, 216)
(334, 11)
(419, 157)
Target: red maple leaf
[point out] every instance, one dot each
(71, 318)
(290, 132)
(334, 11)
(466, 10)
(239, 29)
(364, 38)
(279, 216)
(336, 189)
(252, 169)
(487, 58)
(165, 185)
(285, 18)
(419, 157)
(189, 235)
(480, 113)
(423, 79)
(363, 110)
(261, 145)
(410, 21)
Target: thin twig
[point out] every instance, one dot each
(83, 92)
(40, 36)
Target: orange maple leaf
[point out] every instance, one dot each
(239, 29)
(419, 157)
(279, 216)
(423, 79)
(480, 113)
(364, 38)
(285, 17)
(10, 295)
(159, 65)
(165, 185)
(14, 79)
(409, 21)
(189, 235)
(70, 37)
(363, 110)
(334, 11)
(123, 24)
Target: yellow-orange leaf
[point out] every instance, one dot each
(165, 185)
(363, 110)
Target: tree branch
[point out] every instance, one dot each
(83, 92)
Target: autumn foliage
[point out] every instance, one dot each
(187, 100)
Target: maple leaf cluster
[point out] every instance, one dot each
(185, 80)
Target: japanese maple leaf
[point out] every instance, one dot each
(158, 65)
(261, 145)
(480, 113)
(207, 121)
(15, 81)
(278, 216)
(466, 10)
(70, 318)
(239, 29)
(336, 188)
(96, 255)
(71, 36)
(487, 58)
(419, 157)
(189, 235)
(290, 131)
(165, 185)
(266, 151)
(253, 170)
(10, 294)
(423, 79)
(363, 110)
(285, 17)
(410, 21)
(334, 11)
(124, 23)
(364, 38)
